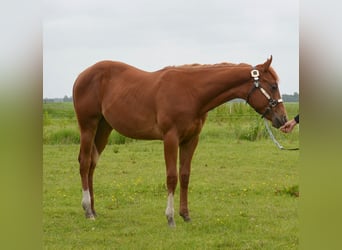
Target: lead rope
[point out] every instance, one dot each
(274, 139)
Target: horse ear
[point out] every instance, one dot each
(267, 63)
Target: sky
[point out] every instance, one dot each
(152, 34)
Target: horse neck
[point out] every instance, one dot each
(223, 84)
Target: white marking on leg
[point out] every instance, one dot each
(86, 204)
(86, 199)
(169, 212)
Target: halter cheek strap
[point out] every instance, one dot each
(272, 102)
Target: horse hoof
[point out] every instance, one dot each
(171, 222)
(90, 216)
(185, 217)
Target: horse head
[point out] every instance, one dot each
(264, 95)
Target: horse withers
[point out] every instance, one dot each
(170, 104)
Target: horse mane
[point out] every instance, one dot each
(198, 66)
(216, 65)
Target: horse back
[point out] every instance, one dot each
(122, 94)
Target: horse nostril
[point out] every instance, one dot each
(281, 120)
(284, 119)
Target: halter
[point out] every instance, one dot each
(271, 102)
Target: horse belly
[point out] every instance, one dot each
(133, 124)
(128, 105)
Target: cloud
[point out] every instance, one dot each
(152, 34)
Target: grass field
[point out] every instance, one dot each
(242, 195)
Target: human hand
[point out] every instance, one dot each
(288, 126)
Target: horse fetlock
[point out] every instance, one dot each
(185, 216)
(171, 221)
(169, 212)
(86, 204)
(88, 212)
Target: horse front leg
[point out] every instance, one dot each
(186, 152)
(170, 154)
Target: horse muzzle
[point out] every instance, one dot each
(279, 121)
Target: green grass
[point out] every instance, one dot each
(242, 192)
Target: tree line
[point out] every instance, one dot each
(286, 98)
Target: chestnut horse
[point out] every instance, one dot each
(170, 105)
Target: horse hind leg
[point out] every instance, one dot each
(85, 160)
(94, 158)
(101, 138)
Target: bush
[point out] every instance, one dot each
(255, 131)
(63, 136)
(117, 138)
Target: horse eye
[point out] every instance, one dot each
(274, 87)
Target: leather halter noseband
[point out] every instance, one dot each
(271, 102)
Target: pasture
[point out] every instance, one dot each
(243, 191)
